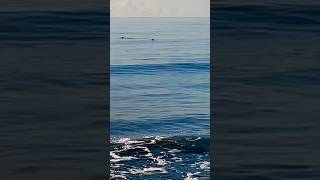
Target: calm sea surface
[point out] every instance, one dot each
(160, 98)
(53, 94)
(266, 89)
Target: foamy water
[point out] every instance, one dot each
(154, 157)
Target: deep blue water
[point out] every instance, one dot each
(160, 97)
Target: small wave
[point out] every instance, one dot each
(157, 68)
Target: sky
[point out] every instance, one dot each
(160, 8)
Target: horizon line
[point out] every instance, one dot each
(160, 16)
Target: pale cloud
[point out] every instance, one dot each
(160, 8)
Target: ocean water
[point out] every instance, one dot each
(265, 89)
(160, 112)
(53, 94)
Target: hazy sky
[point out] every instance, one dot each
(160, 8)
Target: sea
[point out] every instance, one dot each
(159, 98)
(265, 89)
(53, 93)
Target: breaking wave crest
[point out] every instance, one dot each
(179, 157)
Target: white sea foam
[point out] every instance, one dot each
(202, 165)
(174, 151)
(198, 138)
(149, 155)
(117, 158)
(147, 137)
(153, 158)
(193, 176)
(148, 171)
(116, 165)
(161, 161)
(118, 177)
(121, 140)
(127, 141)
(177, 159)
(205, 165)
(158, 138)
